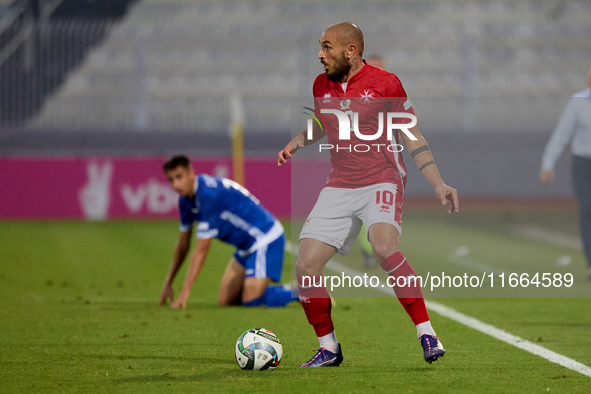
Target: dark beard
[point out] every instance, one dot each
(341, 69)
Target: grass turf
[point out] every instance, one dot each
(80, 314)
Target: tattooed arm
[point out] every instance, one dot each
(421, 154)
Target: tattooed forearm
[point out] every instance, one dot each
(426, 165)
(419, 150)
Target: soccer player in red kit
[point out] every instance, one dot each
(364, 187)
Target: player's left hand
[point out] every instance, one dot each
(448, 196)
(181, 301)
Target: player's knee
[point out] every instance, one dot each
(384, 250)
(301, 268)
(305, 266)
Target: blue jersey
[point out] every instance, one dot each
(227, 211)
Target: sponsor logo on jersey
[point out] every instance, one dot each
(345, 104)
(407, 105)
(327, 98)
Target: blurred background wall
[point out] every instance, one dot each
(97, 82)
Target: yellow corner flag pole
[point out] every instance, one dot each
(236, 130)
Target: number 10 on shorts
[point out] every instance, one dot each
(385, 197)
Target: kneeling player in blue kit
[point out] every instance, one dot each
(227, 211)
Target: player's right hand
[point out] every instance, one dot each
(167, 293)
(181, 301)
(546, 177)
(288, 151)
(284, 155)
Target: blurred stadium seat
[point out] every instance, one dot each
(172, 64)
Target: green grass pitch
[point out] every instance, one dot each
(79, 313)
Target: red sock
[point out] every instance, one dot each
(317, 305)
(409, 294)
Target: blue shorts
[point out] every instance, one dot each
(266, 262)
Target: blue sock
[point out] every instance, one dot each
(273, 296)
(278, 296)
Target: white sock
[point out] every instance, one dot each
(329, 342)
(425, 328)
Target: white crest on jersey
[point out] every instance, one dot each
(366, 96)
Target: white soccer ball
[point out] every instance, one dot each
(258, 349)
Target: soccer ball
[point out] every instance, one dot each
(258, 349)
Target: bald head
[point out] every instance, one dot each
(348, 33)
(341, 51)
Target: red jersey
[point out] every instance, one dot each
(369, 92)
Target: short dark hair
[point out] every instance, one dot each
(176, 161)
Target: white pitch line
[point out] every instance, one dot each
(509, 338)
(471, 322)
(556, 238)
